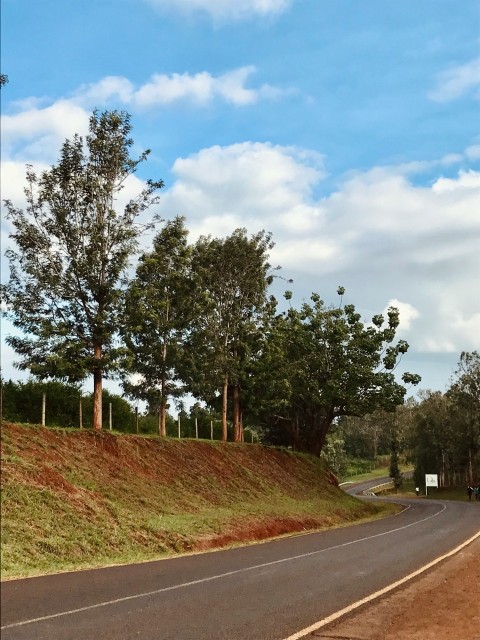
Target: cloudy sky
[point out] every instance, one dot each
(348, 129)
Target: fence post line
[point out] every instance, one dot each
(196, 427)
(179, 424)
(110, 416)
(211, 429)
(136, 418)
(80, 413)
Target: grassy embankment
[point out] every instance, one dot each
(442, 493)
(73, 499)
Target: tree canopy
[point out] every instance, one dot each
(320, 363)
(232, 276)
(158, 310)
(72, 249)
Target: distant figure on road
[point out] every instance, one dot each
(476, 492)
(469, 492)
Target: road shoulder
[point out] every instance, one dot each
(442, 604)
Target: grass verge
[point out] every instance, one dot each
(75, 499)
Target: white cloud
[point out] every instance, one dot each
(379, 233)
(456, 82)
(104, 90)
(38, 128)
(465, 180)
(226, 10)
(473, 152)
(35, 133)
(162, 89)
(253, 183)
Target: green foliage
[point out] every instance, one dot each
(319, 364)
(231, 277)
(445, 438)
(158, 310)
(394, 470)
(22, 402)
(335, 456)
(72, 250)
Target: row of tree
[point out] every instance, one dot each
(436, 432)
(194, 318)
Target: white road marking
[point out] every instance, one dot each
(377, 594)
(216, 577)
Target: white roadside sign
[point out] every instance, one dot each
(431, 480)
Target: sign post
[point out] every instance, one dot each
(431, 480)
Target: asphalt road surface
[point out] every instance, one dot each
(263, 592)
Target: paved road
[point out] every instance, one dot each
(263, 592)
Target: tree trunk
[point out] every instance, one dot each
(162, 424)
(97, 389)
(163, 418)
(237, 436)
(294, 430)
(163, 404)
(224, 409)
(320, 431)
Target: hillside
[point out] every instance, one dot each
(74, 499)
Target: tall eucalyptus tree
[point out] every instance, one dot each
(73, 245)
(158, 311)
(232, 276)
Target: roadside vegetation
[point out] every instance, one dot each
(207, 307)
(74, 499)
(195, 318)
(435, 433)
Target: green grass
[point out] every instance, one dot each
(381, 472)
(73, 499)
(442, 493)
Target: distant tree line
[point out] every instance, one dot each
(438, 432)
(66, 405)
(194, 318)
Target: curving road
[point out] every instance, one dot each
(262, 592)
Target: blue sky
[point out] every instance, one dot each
(349, 129)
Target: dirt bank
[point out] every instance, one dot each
(73, 499)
